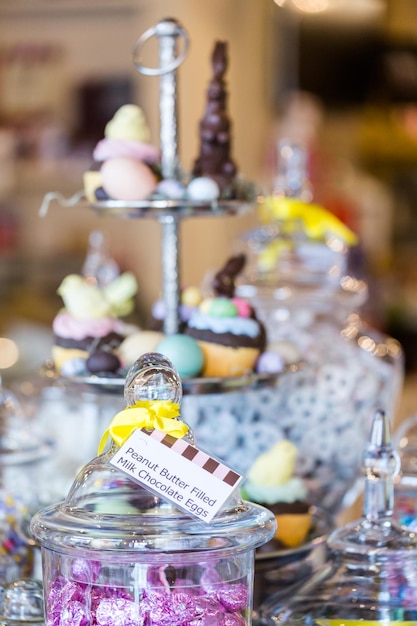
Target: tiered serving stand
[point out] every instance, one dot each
(170, 213)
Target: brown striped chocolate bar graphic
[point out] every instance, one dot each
(193, 454)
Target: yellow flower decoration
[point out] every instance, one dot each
(315, 219)
(150, 414)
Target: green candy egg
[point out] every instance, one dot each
(223, 307)
(184, 353)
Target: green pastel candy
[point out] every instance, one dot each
(223, 307)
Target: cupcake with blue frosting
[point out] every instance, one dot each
(226, 327)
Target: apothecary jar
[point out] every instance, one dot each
(116, 552)
(371, 574)
(310, 307)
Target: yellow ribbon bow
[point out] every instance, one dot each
(150, 414)
(317, 221)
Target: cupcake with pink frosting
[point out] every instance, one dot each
(89, 329)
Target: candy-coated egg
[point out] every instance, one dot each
(203, 189)
(191, 296)
(158, 310)
(270, 363)
(137, 344)
(184, 353)
(124, 178)
(243, 307)
(171, 189)
(205, 305)
(223, 307)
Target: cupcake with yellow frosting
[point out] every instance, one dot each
(272, 483)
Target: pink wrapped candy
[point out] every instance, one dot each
(78, 604)
(117, 554)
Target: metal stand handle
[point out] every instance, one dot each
(168, 32)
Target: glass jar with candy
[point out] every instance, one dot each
(371, 575)
(299, 281)
(137, 539)
(25, 453)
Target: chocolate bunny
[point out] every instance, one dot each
(214, 158)
(224, 281)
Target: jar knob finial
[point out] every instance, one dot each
(152, 377)
(381, 465)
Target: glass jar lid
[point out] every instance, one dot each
(376, 536)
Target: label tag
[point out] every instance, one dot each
(179, 472)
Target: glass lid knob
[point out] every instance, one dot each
(152, 377)
(376, 530)
(381, 465)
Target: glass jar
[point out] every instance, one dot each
(340, 371)
(21, 603)
(24, 457)
(311, 307)
(117, 552)
(371, 574)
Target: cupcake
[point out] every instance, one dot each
(226, 327)
(271, 482)
(89, 329)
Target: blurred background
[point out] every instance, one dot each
(338, 75)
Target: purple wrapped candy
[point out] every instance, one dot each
(99, 593)
(234, 597)
(232, 619)
(118, 612)
(55, 590)
(85, 571)
(208, 612)
(78, 604)
(72, 614)
(183, 608)
(63, 592)
(170, 609)
(210, 578)
(155, 606)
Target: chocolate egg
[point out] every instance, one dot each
(124, 178)
(102, 361)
